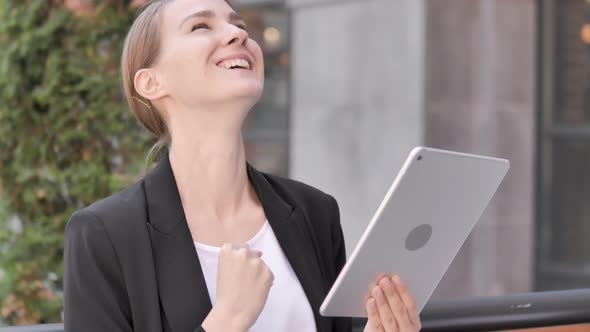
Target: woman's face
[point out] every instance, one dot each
(206, 57)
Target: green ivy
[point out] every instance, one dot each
(67, 139)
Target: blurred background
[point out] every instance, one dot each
(351, 87)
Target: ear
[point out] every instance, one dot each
(148, 85)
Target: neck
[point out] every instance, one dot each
(207, 156)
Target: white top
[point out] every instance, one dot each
(287, 307)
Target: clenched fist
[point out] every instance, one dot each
(243, 284)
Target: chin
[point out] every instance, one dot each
(249, 91)
(243, 99)
(248, 100)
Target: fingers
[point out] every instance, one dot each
(243, 248)
(386, 315)
(250, 253)
(373, 284)
(268, 275)
(373, 322)
(396, 305)
(391, 307)
(244, 255)
(408, 300)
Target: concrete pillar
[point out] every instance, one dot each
(480, 74)
(357, 99)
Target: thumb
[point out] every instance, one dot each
(252, 252)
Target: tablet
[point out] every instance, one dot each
(418, 229)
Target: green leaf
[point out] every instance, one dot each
(61, 109)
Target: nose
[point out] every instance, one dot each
(235, 35)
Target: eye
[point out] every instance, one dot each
(242, 26)
(199, 26)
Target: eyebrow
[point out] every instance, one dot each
(233, 16)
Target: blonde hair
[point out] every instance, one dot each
(141, 49)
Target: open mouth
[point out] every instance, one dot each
(234, 64)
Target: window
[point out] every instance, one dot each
(563, 201)
(266, 129)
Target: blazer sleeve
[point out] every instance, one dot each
(341, 324)
(95, 298)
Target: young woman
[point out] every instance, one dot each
(205, 242)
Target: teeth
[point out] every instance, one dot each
(227, 64)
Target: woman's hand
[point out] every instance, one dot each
(390, 307)
(243, 284)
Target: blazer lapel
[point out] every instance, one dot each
(289, 225)
(181, 283)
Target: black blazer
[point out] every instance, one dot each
(131, 265)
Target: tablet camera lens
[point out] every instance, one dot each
(419, 157)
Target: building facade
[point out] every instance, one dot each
(370, 79)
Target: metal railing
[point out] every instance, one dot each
(34, 328)
(506, 312)
(494, 313)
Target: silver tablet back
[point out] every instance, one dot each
(418, 229)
